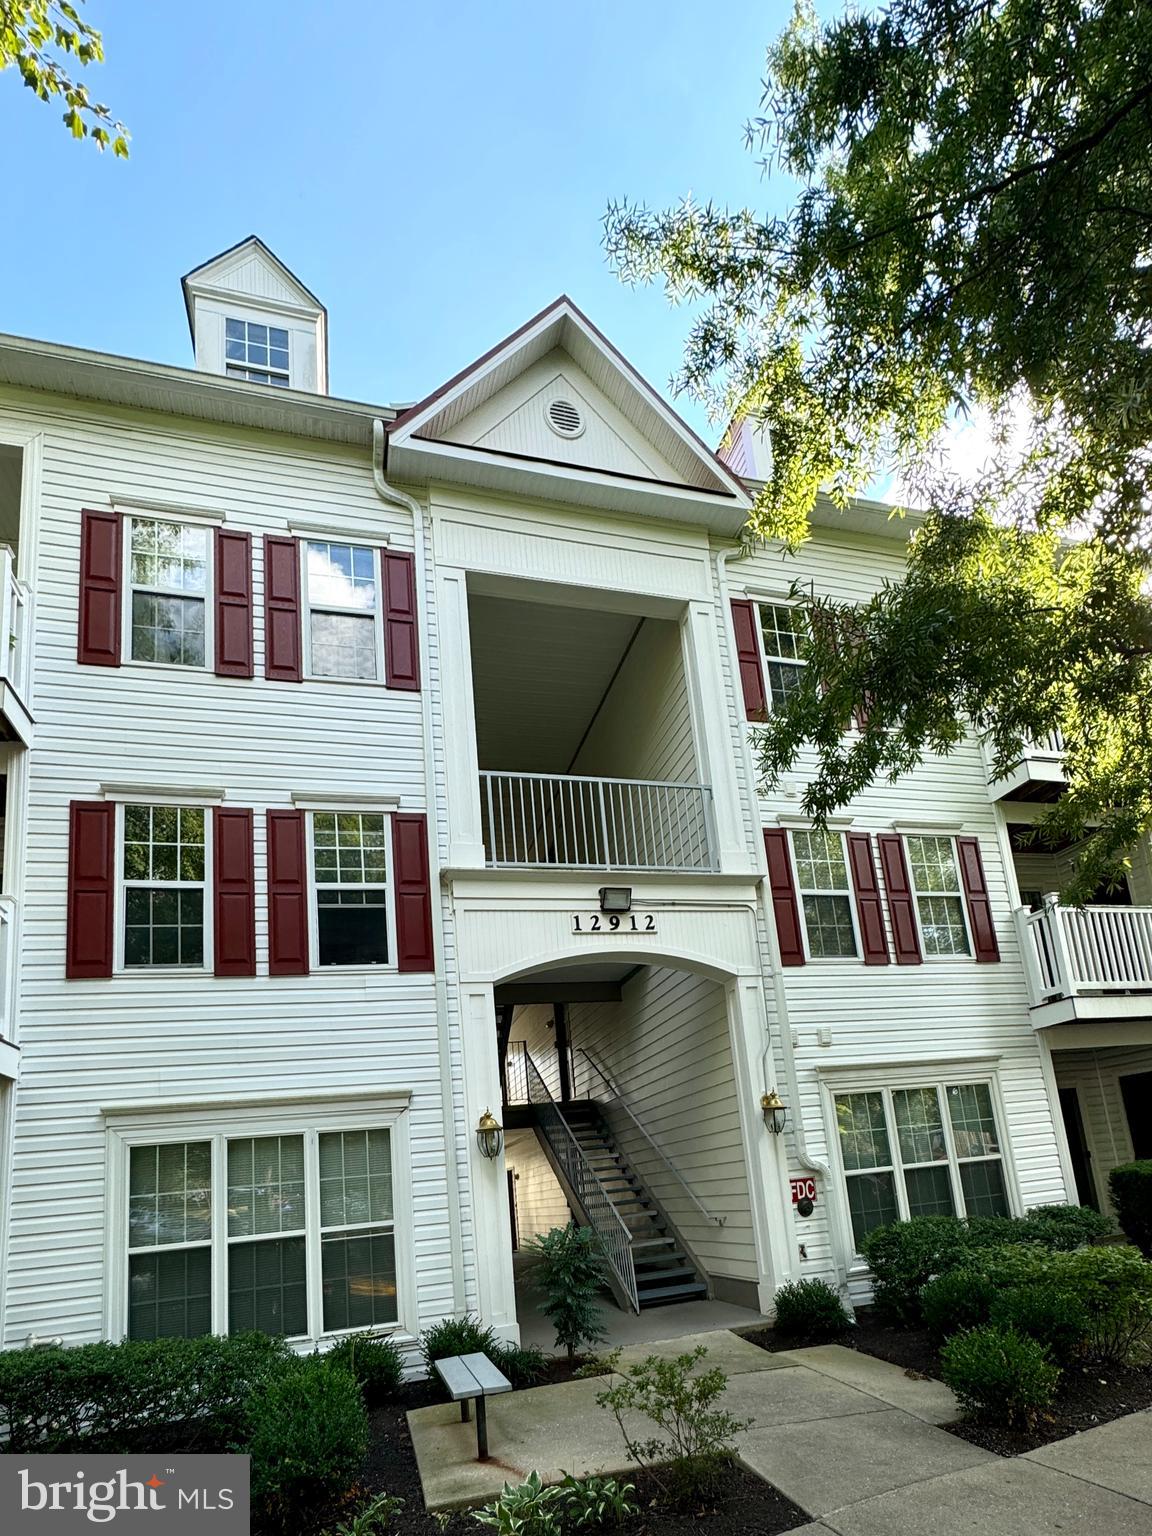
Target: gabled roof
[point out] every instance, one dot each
(222, 270)
(430, 440)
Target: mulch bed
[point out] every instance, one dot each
(1088, 1395)
(749, 1506)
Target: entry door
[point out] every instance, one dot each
(1137, 1094)
(1078, 1148)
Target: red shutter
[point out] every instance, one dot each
(234, 895)
(745, 622)
(901, 902)
(976, 895)
(98, 627)
(869, 909)
(233, 604)
(287, 895)
(401, 632)
(282, 610)
(413, 893)
(91, 877)
(784, 903)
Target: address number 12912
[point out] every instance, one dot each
(613, 922)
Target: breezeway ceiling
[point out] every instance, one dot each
(539, 674)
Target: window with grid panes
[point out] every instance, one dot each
(168, 577)
(778, 625)
(825, 893)
(936, 885)
(923, 1151)
(270, 1231)
(350, 858)
(342, 604)
(163, 878)
(258, 353)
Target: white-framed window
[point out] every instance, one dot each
(825, 892)
(351, 889)
(293, 1227)
(781, 637)
(256, 352)
(940, 906)
(164, 881)
(923, 1150)
(168, 591)
(344, 629)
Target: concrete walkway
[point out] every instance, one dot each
(852, 1440)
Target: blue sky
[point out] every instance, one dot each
(435, 174)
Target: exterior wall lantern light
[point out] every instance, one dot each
(615, 898)
(775, 1112)
(489, 1135)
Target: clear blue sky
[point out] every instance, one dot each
(435, 173)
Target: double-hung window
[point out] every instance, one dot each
(288, 1234)
(168, 575)
(258, 353)
(825, 894)
(935, 876)
(920, 1151)
(350, 864)
(782, 660)
(344, 633)
(164, 877)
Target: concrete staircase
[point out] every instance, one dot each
(664, 1272)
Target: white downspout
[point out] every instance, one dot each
(389, 494)
(775, 974)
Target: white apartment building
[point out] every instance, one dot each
(370, 771)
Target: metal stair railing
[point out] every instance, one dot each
(602, 1216)
(709, 1216)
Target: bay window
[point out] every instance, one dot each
(292, 1233)
(925, 1150)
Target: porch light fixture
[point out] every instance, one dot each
(775, 1112)
(615, 898)
(489, 1135)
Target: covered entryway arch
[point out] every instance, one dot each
(635, 1071)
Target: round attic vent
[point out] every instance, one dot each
(564, 418)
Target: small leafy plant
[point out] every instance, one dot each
(1000, 1376)
(568, 1273)
(696, 1442)
(595, 1503)
(524, 1509)
(523, 1364)
(810, 1309)
(458, 1336)
(374, 1518)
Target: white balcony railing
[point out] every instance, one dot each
(13, 625)
(550, 821)
(1070, 951)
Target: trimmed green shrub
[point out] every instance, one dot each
(1114, 1286)
(1131, 1187)
(999, 1376)
(1048, 1313)
(905, 1255)
(523, 1364)
(1064, 1227)
(959, 1299)
(375, 1361)
(307, 1431)
(568, 1272)
(810, 1309)
(458, 1336)
(141, 1395)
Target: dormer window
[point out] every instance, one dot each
(258, 353)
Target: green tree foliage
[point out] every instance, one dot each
(972, 230)
(42, 38)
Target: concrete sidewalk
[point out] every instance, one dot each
(851, 1439)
